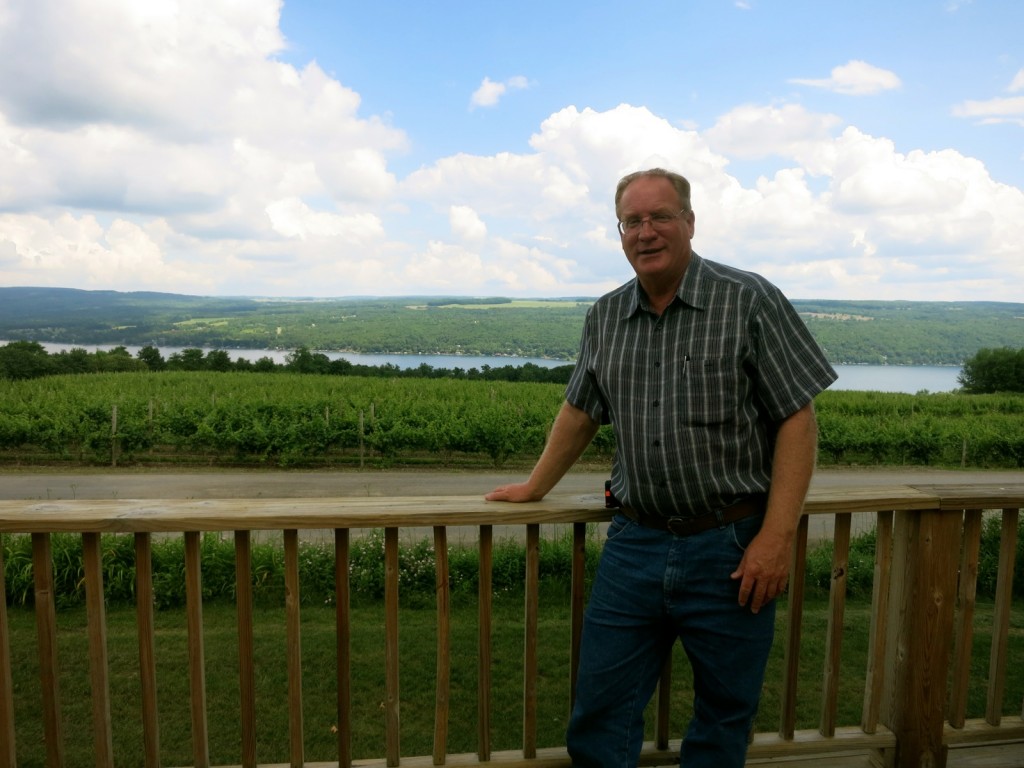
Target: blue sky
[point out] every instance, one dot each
(689, 62)
(844, 150)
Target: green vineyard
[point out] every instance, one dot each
(295, 420)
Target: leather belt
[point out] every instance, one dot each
(688, 526)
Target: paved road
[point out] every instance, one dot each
(35, 485)
(31, 484)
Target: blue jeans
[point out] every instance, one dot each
(651, 588)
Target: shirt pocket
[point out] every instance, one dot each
(710, 391)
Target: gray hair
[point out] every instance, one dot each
(682, 186)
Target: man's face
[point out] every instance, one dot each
(658, 253)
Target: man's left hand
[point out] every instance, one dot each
(764, 570)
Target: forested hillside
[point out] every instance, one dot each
(911, 332)
(899, 333)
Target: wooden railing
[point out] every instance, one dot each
(916, 681)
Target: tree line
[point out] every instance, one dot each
(987, 371)
(30, 360)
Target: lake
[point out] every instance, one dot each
(878, 378)
(898, 378)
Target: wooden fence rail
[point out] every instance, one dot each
(918, 673)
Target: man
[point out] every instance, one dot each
(708, 376)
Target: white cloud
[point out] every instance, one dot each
(466, 223)
(505, 184)
(160, 145)
(489, 93)
(503, 266)
(82, 62)
(878, 223)
(147, 106)
(295, 219)
(178, 113)
(855, 78)
(82, 253)
(751, 130)
(999, 110)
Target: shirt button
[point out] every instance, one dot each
(657, 363)
(656, 403)
(657, 443)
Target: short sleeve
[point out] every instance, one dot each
(582, 390)
(792, 368)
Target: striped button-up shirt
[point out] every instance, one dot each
(695, 395)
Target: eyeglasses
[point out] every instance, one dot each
(634, 224)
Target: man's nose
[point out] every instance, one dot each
(646, 229)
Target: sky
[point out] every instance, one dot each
(868, 150)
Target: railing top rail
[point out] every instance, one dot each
(968, 496)
(174, 515)
(170, 515)
(871, 498)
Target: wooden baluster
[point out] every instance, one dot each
(998, 660)
(391, 707)
(661, 724)
(46, 633)
(834, 633)
(530, 641)
(794, 622)
(293, 624)
(484, 643)
(577, 600)
(875, 674)
(196, 650)
(444, 645)
(99, 665)
(246, 661)
(8, 754)
(965, 620)
(343, 627)
(144, 600)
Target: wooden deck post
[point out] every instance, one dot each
(920, 631)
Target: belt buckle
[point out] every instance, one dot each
(680, 526)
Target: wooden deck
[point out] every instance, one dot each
(1004, 756)
(919, 670)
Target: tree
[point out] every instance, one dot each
(117, 359)
(994, 370)
(76, 360)
(152, 358)
(302, 360)
(218, 360)
(24, 360)
(190, 359)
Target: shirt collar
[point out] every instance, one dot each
(690, 290)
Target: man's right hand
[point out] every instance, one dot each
(515, 492)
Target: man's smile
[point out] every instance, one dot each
(651, 251)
